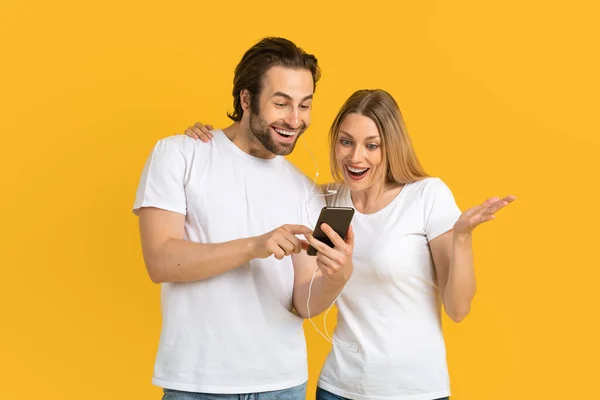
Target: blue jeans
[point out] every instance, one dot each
(294, 393)
(323, 394)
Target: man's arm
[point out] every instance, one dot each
(170, 258)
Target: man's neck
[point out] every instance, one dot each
(240, 135)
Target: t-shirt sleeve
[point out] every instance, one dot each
(162, 184)
(441, 210)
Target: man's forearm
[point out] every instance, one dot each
(185, 261)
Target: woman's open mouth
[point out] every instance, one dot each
(356, 173)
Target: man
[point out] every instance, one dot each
(218, 224)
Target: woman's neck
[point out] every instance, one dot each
(376, 197)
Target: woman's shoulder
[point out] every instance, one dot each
(429, 184)
(336, 194)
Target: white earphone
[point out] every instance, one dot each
(353, 347)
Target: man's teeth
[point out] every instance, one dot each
(284, 132)
(356, 171)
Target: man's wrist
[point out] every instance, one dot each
(250, 248)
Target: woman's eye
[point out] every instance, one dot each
(372, 146)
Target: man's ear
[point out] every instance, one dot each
(245, 99)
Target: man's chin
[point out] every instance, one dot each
(284, 149)
(273, 143)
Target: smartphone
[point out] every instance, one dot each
(338, 218)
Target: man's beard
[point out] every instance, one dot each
(261, 130)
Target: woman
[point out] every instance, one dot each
(412, 253)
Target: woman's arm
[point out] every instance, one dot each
(452, 254)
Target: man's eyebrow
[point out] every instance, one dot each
(287, 96)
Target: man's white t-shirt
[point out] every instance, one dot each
(390, 306)
(232, 333)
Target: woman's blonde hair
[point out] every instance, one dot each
(401, 163)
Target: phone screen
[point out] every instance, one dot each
(338, 218)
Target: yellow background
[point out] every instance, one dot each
(500, 98)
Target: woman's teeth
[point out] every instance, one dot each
(356, 170)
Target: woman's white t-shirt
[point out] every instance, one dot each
(390, 307)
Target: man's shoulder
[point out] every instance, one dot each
(181, 146)
(296, 172)
(181, 142)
